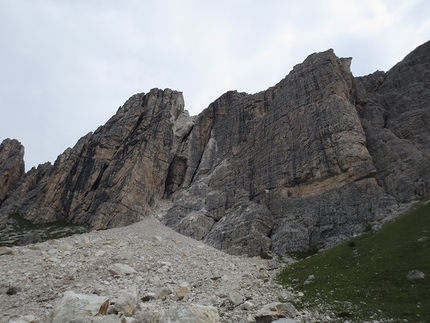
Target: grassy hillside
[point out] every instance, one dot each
(365, 278)
(19, 227)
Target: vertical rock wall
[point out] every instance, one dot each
(113, 176)
(316, 158)
(11, 166)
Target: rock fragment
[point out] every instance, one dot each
(276, 310)
(194, 313)
(235, 297)
(127, 302)
(25, 319)
(183, 290)
(74, 307)
(415, 274)
(5, 251)
(121, 270)
(309, 280)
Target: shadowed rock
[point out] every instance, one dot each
(11, 165)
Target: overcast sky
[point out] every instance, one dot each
(67, 65)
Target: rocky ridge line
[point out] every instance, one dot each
(315, 159)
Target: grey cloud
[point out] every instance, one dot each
(66, 66)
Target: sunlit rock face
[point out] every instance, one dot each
(113, 176)
(318, 157)
(309, 160)
(282, 169)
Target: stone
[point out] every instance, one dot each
(148, 296)
(149, 313)
(106, 319)
(309, 280)
(415, 274)
(25, 319)
(127, 302)
(194, 313)
(13, 290)
(183, 290)
(284, 320)
(235, 297)
(74, 307)
(163, 292)
(5, 251)
(121, 270)
(273, 311)
(31, 238)
(247, 306)
(209, 274)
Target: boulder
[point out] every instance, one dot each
(284, 320)
(235, 297)
(193, 313)
(415, 274)
(25, 319)
(30, 238)
(273, 311)
(78, 307)
(121, 270)
(126, 302)
(182, 291)
(5, 251)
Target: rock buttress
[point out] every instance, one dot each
(113, 176)
(285, 169)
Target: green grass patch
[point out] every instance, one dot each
(365, 278)
(18, 227)
(299, 255)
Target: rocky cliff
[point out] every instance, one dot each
(320, 156)
(113, 176)
(11, 166)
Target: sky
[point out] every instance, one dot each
(67, 66)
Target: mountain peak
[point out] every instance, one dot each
(313, 160)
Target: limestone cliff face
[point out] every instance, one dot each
(316, 158)
(11, 166)
(113, 176)
(395, 113)
(284, 169)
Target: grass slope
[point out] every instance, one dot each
(365, 278)
(19, 227)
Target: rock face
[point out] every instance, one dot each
(394, 110)
(113, 176)
(12, 169)
(11, 166)
(283, 169)
(316, 158)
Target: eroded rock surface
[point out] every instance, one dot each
(11, 165)
(300, 164)
(113, 176)
(318, 157)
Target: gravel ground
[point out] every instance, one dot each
(37, 275)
